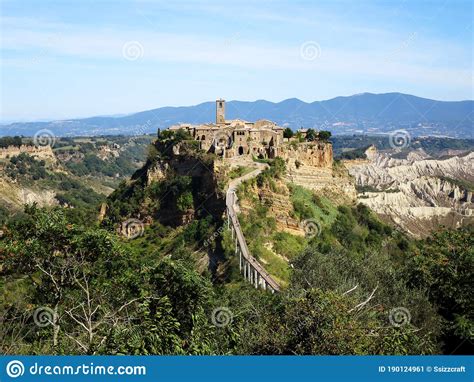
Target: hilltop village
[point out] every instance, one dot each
(263, 138)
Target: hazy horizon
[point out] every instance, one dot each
(118, 115)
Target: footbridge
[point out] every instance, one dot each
(251, 269)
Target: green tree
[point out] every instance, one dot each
(324, 135)
(311, 135)
(444, 265)
(95, 295)
(185, 201)
(288, 133)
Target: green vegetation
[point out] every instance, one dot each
(158, 293)
(338, 301)
(167, 200)
(308, 205)
(10, 141)
(129, 156)
(432, 145)
(288, 133)
(368, 188)
(261, 160)
(354, 154)
(170, 138)
(461, 183)
(324, 135)
(239, 171)
(287, 245)
(444, 266)
(137, 305)
(4, 214)
(26, 168)
(311, 135)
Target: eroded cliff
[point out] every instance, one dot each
(419, 193)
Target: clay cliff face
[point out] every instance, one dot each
(314, 154)
(419, 194)
(41, 152)
(311, 165)
(14, 195)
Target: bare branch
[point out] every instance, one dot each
(350, 290)
(359, 306)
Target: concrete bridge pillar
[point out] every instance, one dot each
(240, 261)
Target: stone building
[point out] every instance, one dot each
(230, 138)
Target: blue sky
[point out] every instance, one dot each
(66, 59)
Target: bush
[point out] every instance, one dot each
(324, 135)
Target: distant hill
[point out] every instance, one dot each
(360, 113)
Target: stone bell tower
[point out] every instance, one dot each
(220, 111)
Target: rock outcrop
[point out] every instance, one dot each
(38, 152)
(311, 165)
(14, 196)
(313, 154)
(279, 203)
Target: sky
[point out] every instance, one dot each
(71, 59)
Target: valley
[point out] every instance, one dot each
(241, 190)
(315, 229)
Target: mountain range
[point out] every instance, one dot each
(364, 113)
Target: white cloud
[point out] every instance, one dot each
(40, 40)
